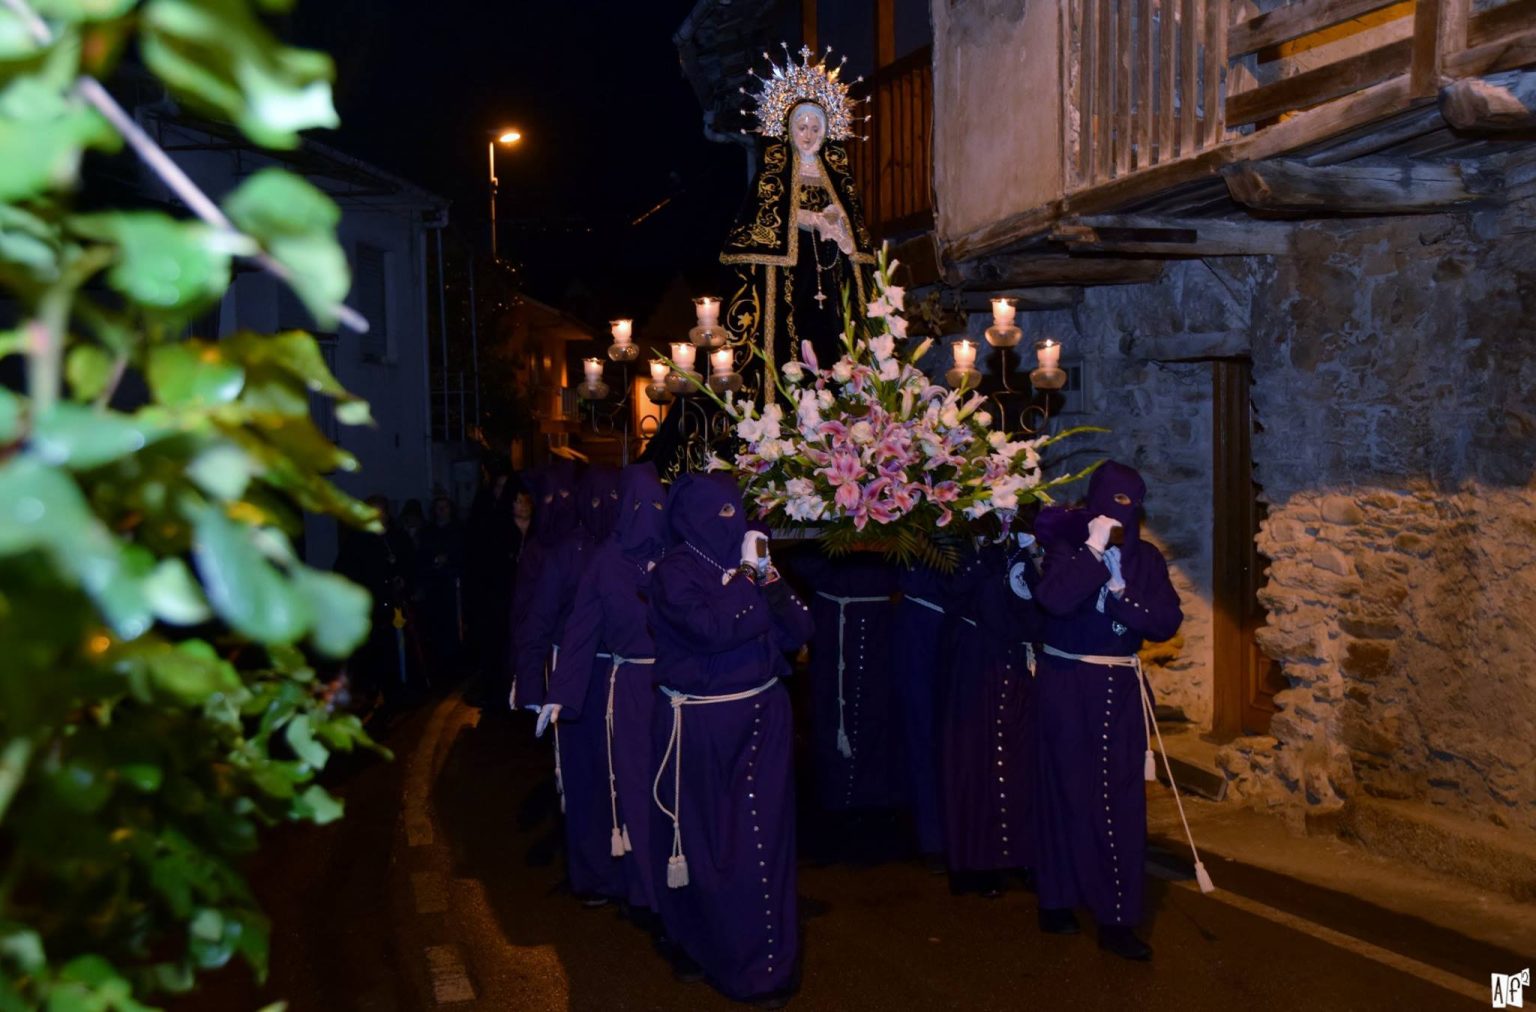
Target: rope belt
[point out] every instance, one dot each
(923, 603)
(549, 675)
(677, 864)
(844, 746)
(1149, 723)
(620, 845)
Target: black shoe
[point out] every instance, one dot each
(1122, 941)
(684, 969)
(1059, 921)
(594, 902)
(774, 999)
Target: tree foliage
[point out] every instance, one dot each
(158, 699)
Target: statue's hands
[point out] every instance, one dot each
(835, 227)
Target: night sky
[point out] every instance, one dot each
(611, 128)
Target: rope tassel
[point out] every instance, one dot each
(624, 835)
(843, 747)
(1149, 768)
(677, 871)
(616, 843)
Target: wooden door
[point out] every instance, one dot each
(1245, 679)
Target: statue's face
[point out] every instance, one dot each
(808, 128)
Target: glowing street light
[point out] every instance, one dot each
(506, 138)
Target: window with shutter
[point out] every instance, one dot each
(370, 289)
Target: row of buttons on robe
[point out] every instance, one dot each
(762, 862)
(1002, 789)
(853, 735)
(1114, 857)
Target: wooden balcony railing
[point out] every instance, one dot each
(894, 167)
(1154, 82)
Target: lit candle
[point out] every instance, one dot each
(659, 371)
(623, 330)
(707, 308)
(965, 355)
(1049, 354)
(683, 353)
(721, 362)
(593, 369)
(1003, 312)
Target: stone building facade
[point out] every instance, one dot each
(1394, 384)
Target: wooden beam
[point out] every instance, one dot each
(1493, 104)
(1424, 74)
(1500, 54)
(1189, 77)
(1124, 52)
(1501, 22)
(1293, 21)
(1054, 297)
(1215, 71)
(1168, 78)
(1174, 237)
(1146, 115)
(1031, 270)
(1328, 120)
(1331, 80)
(1375, 186)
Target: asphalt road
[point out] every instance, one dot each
(443, 886)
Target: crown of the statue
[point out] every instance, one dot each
(810, 80)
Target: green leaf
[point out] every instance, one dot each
(164, 263)
(354, 412)
(88, 368)
(82, 437)
(222, 470)
(194, 374)
(296, 223)
(174, 595)
(243, 587)
(28, 245)
(342, 610)
(12, 411)
(42, 138)
(82, 10)
(22, 948)
(218, 57)
(145, 777)
(317, 805)
(301, 737)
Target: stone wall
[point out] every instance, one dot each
(1395, 377)
(1394, 365)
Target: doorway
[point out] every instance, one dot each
(1245, 680)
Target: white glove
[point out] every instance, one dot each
(1099, 529)
(754, 551)
(549, 714)
(1116, 582)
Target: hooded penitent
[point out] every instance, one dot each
(597, 501)
(706, 513)
(1061, 527)
(642, 523)
(1117, 491)
(553, 517)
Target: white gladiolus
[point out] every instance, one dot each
(984, 419)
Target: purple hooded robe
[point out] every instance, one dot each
(581, 765)
(1090, 801)
(604, 685)
(985, 740)
(855, 721)
(554, 521)
(729, 775)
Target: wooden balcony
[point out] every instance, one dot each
(1157, 94)
(894, 167)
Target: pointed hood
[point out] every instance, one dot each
(1117, 491)
(554, 515)
(694, 515)
(642, 524)
(597, 501)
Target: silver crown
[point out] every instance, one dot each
(810, 80)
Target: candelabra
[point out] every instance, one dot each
(1034, 404)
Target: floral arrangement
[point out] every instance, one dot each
(873, 454)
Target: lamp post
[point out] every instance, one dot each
(506, 138)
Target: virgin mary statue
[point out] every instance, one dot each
(800, 236)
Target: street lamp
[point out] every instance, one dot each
(506, 138)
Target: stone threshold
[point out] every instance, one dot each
(1240, 843)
